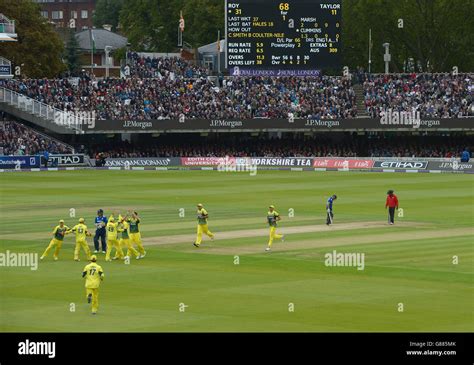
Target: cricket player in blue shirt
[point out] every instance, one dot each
(100, 223)
(329, 212)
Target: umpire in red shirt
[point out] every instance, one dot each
(392, 204)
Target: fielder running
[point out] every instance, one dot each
(272, 218)
(202, 216)
(94, 275)
(330, 214)
(81, 233)
(58, 238)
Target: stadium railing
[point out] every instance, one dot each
(42, 110)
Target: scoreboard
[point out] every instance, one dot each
(282, 37)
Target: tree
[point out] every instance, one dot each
(204, 18)
(435, 34)
(108, 12)
(152, 25)
(39, 48)
(147, 24)
(72, 57)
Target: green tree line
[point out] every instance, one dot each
(424, 35)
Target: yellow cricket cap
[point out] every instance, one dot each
(272, 206)
(199, 205)
(81, 220)
(93, 258)
(61, 221)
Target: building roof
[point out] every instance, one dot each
(102, 38)
(212, 47)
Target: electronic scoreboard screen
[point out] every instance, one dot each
(275, 37)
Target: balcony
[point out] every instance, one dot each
(7, 29)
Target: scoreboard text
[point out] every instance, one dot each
(282, 37)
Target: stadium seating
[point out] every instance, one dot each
(17, 139)
(164, 88)
(433, 95)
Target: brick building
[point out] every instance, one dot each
(60, 12)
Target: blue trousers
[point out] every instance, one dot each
(100, 233)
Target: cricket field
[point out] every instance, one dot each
(417, 275)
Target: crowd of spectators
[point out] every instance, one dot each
(157, 67)
(166, 88)
(432, 95)
(17, 139)
(167, 98)
(349, 146)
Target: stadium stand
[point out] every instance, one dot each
(17, 139)
(322, 97)
(433, 95)
(166, 97)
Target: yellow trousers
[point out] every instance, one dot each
(273, 235)
(125, 242)
(136, 238)
(95, 298)
(84, 246)
(118, 249)
(202, 228)
(52, 243)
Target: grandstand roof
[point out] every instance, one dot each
(212, 47)
(102, 38)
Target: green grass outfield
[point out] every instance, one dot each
(409, 263)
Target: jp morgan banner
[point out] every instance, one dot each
(252, 125)
(451, 166)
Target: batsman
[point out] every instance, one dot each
(330, 214)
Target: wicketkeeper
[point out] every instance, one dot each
(330, 214)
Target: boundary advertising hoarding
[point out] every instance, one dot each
(66, 160)
(143, 161)
(19, 162)
(402, 164)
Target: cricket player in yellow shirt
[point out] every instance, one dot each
(112, 231)
(94, 275)
(272, 218)
(202, 216)
(125, 239)
(58, 237)
(135, 236)
(81, 233)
